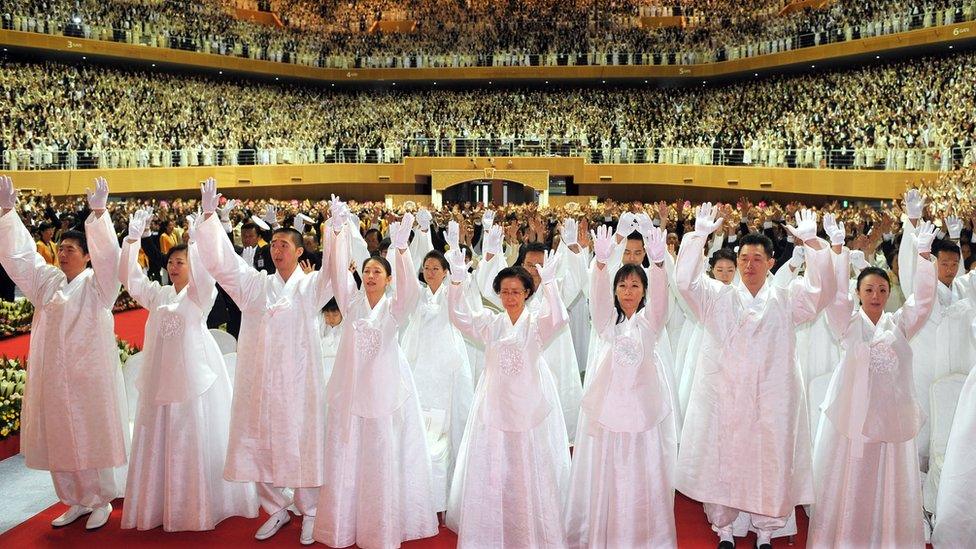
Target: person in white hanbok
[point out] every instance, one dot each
(176, 471)
(955, 521)
(378, 492)
(331, 333)
(277, 423)
(438, 358)
(560, 353)
(622, 482)
(513, 467)
(74, 415)
(745, 444)
(865, 463)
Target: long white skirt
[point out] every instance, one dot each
(176, 472)
(955, 519)
(871, 501)
(689, 362)
(621, 490)
(378, 482)
(509, 487)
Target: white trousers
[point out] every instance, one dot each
(722, 518)
(274, 498)
(87, 488)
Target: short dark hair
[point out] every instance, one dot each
(877, 271)
(382, 261)
(331, 306)
(518, 272)
(78, 237)
(174, 250)
(757, 239)
(379, 235)
(947, 246)
(250, 226)
(636, 235)
(528, 248)
(296, 237)
(47, 225)
(719, 255)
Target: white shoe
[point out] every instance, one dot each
(308, 524)
(272, 525)
(99, 517)
(72, 514)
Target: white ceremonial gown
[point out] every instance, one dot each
(955, 521)
(176, 472)
(622, 484)
(513, 467)
(74, 417)
(865, 465)
(745, 443)
(378, 491)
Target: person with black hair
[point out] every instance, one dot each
(376, 458)
(516, 435)
(331, 332)
(74, 408)
(277, 430)
(622, 482)
(942, 346)
(177, 480)
(442, 372)
(45, 243)
(867, 485)
(560, 354)
(745, 442)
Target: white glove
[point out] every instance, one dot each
(806, 226)
(247, 254)
(423, 219)
(300, 221)
(626, 224)
(656, 244)
(192, 224)
(954, 225)
(569, 231)
(8, 197)
(98, 199)
(208, 196)
(603, 244)
(834, 230)
(487, 219)
(459, 268)
(925, 235)
(493, 241)
(705, 221)
(225, 211)
(452, 235)
(914, 203)
(799, 256)
(137, 224)
(858, 261)
(271, 216)
(338, 214)
(644, 224)
(549, 267)
(400, 232)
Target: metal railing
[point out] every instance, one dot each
(864, 158)
(317, 55)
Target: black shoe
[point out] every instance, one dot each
(726, 545)
(764, 546)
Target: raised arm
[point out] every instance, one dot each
(474, 325)
(146, 292)
(913, 314)
(810, 294)
(18, 255)
(655, 310)
(697, 290)
(840, 309)
(556, 316)
(407, 289)
(103, 247)
(600, 290)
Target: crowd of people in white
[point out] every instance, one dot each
(479, 33)
(907, 115)
(745, 355)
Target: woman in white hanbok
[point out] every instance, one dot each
(378, 492)
(865, 464)
(182, 422)
(438, 358)
(622, 484)
(513, 467)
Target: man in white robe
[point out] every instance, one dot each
(277, 431)
(74, 407)
(745, 445)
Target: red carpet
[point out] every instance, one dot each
(693, 532)
(693, 529)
